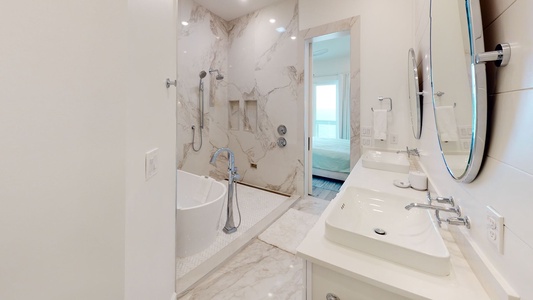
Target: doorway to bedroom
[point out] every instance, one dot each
(330, 113)
(332, 101)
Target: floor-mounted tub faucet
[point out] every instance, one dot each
(232, 176)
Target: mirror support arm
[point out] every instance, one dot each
(500, 56)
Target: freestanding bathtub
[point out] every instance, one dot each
(199, 201)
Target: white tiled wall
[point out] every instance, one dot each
(506, 178)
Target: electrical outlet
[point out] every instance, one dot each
(465, 131)
(151, 165)
(366, 142)
(393, 137)
(366, 131)
(465, 144)
(495, 228)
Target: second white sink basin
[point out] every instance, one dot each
(378, 224)
(386, 161)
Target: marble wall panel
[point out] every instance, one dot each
(202, 45)
(259, 63)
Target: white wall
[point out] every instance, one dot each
(386, 36)
(62, 139)
(76, 214)
(505, 181)
(151, 123)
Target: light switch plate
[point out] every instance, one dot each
(366, 142)
(366, 131)
(393, 137)
(151, 164)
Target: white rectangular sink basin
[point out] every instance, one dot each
(386, 161)
(378, 224)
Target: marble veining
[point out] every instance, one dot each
(260, 271)
(289, 230)
(258, 64)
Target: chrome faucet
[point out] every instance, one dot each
(232, 176)
(455, 209)
(447, 200)
(465, 221)
(410, 152)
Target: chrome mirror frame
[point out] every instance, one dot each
(415, 96)
(478, 94)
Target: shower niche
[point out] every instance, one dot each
(250, 115)
(249, 122)
(233, 115)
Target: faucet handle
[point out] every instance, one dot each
(447, 200)
(465, 221)
(236, 176)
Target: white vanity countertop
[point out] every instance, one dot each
(315, 248)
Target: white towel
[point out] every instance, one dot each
(202, 188)
(446, 124)
(380, 124)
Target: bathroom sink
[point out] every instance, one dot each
(378, 224)
(386, 161)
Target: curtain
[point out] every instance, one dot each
(343, 111)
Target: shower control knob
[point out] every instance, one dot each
(282, 142)
(282, 129)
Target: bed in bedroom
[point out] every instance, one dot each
(331, 158)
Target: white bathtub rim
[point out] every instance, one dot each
(199, 205)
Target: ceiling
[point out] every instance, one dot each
(232, 9)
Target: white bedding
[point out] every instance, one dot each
(331, 154)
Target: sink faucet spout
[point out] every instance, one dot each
(454, 209)
(410, 152)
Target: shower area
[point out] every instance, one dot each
(238, 81)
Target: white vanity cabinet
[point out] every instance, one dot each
(326, 284)
(348, 274)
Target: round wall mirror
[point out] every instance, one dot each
(415, 96)
(459, 85)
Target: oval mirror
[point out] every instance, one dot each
(415, 96)
(459, 85)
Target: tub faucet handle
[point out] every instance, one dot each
(234, 173)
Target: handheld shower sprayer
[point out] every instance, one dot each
(219, 76)
(202, 76)
(201, 110)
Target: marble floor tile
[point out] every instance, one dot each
(312, 205)
(289, 230)
(259, 271)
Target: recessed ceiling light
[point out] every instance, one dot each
(272, 21)
(184, 23)
(280, 29)
(293, 37)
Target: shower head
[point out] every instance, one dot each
(219, 76)
(202, 74)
